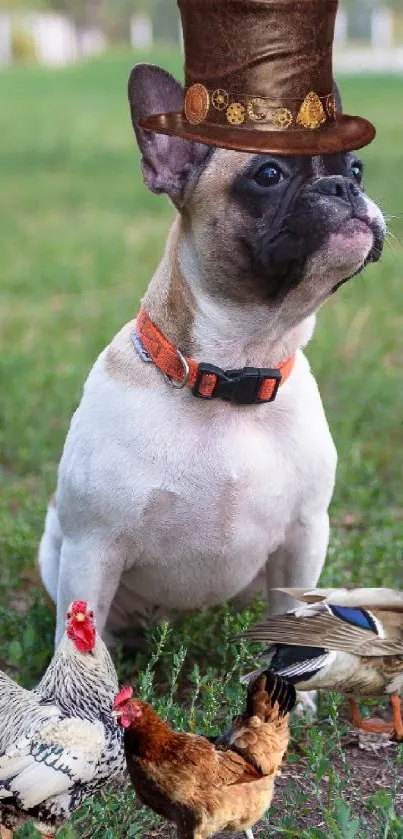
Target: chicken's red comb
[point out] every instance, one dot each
(123, 695)
(78, 607)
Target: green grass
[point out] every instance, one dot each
(79, 239)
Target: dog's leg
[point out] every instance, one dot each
(89, 570)
(49, 551)
(256, 589)
(298, 564)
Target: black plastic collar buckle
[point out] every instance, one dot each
(240, 386)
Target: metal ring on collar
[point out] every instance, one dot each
(186, 369)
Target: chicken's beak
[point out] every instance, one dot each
(117, 713)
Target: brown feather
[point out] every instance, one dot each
(234, 769)
(326, 631)
(261, 734)
(202, 787)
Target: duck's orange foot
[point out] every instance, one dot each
(397, 717)
(373, 725)
(377, 726)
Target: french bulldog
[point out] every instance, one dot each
(170, 502)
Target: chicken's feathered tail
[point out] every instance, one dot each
(261, 734)
(269, 697)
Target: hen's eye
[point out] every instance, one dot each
(91, 614)
(356, 171)
(268, 175)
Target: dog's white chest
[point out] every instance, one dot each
(197, 495)
(213, 516)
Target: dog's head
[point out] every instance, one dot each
(263, 228)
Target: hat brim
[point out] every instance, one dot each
(346, 133)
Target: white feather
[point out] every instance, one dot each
(62, 753)
(302, 668)
(379, 628)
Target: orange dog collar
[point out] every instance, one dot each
(244, 386)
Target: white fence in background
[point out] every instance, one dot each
(341, 28)
(141, 31)
(382, 28)
(5, 39)
(369, 60)
(57, 41)
(90, 41)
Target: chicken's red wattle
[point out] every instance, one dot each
(83, 635)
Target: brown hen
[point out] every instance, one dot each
(205, 786)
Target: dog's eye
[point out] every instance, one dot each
(268, 175)
(357, 171)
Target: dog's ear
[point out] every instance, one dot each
(166, 161)
(337, 98)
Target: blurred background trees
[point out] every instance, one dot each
(115, 15)
(93, 24)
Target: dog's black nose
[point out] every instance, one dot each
(337, 186)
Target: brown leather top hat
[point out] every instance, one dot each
(258, 78)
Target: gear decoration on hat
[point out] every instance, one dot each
(331, 106)
(311, 113)
(219, 99)
(197, 103)
(257, 109)
(283, 118)
(236, 113)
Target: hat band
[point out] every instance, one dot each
(219, 106)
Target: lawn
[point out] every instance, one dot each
(79, 239)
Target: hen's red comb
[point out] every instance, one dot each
(79, 607)
(123, 695)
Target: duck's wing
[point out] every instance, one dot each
(331, 627)
(380, 598)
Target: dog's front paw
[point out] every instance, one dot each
(306, 706)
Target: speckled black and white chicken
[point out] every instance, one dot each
(59, 743)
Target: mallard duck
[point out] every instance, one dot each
(345, 640)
